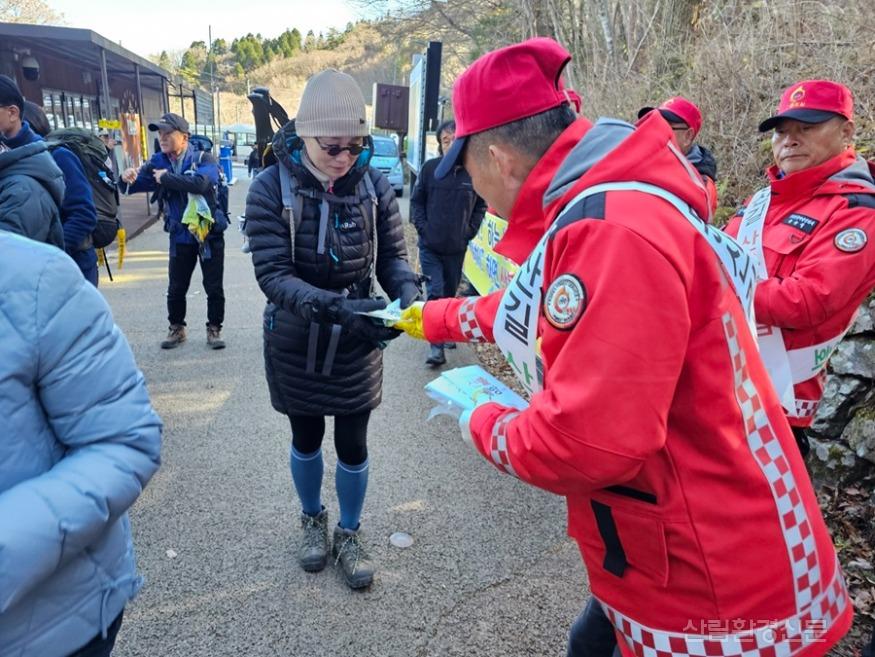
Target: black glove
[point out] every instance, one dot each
(410, 292)
(360, 326)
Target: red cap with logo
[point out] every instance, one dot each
(504, 86)
(678, 110)
(812, 101)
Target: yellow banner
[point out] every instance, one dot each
(109, 125)
(487, 270)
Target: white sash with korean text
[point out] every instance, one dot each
(750, 231)
(516, 323)
(786, 368)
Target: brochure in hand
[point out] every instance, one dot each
(389, 315)
(465, 388)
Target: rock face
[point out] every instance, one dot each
(843, 433)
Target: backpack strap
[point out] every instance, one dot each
(375, 208)
(293, 203)
(196, 161)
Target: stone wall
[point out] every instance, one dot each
(843, 433)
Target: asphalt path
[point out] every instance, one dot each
(490, 572)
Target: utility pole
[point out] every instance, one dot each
(217, 116)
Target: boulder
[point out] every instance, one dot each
(833, 463)
(855, 356)
(840, 394)
(860, 434)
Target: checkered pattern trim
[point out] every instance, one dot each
(498, 445)
(468, 321)
(806, 408)
(763, 638)
(769, 454)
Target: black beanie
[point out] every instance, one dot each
(10, 93)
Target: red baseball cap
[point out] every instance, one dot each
(812, 101)
(504, 86)
(678, 110)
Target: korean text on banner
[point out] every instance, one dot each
(487, 270)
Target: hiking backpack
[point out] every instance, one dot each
(220, 192)
(92, 155)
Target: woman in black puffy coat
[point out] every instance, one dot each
(324, 229)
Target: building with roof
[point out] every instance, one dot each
(85, 80)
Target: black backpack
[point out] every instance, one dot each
(92, 155)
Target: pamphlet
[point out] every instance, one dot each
(390, 315)
(465, 388)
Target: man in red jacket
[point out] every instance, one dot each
(808, 233)
(650, 409)
(685, 119)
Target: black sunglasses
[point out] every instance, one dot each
(334, 150)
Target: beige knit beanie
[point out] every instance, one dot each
(332, 106)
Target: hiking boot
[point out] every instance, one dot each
(348, 551)
(175, 337)
(214, 337)
(436, 356)
(313, 550)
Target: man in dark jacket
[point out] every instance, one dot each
(78, 214)
(446, 213)
(253, 162)
(176, 171)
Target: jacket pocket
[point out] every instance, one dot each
(619, 538)
(785, 243)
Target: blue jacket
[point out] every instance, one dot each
(78, 442)
(190, 174)
(31, 191)
(77, 209)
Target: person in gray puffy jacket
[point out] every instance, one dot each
(78, 442)
(31, 191)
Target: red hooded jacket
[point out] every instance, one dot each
(686, 493)
(814, 286)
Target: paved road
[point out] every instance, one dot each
(491, 571)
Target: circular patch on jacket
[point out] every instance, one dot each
(565, 302)
(851, 240)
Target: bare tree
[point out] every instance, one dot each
(29, 11)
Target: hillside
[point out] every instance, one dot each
(732, 57)
(362, 54)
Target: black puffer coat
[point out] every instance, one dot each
(297, 349)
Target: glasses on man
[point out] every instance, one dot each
(334, 149)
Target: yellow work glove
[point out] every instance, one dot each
(411, 321)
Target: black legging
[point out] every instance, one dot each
(350, 435)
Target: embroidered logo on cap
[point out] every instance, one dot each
(798, 95)
(803, 223)
(565, 302)
(851, 240)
